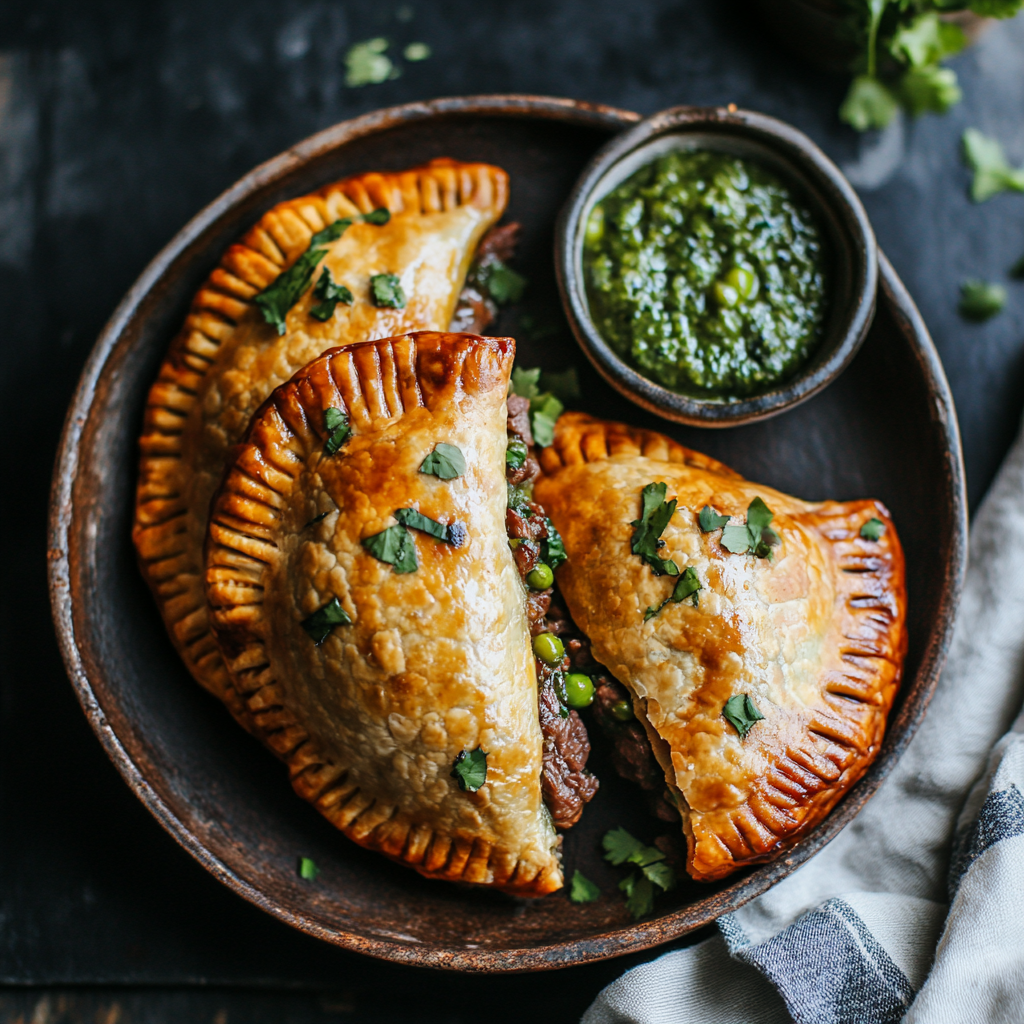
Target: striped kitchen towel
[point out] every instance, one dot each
(915, 912)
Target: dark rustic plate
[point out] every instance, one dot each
(886, 429)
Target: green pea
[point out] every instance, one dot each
(622, 710)
(725, 295)
(548, 648)
(541, 577)
(595, 224)
(579, 690)
(744, 280)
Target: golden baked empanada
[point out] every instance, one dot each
(765, 683)
(402, 272)
(362, 589)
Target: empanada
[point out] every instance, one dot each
(806, 629)
(405, 274)
(363, 591)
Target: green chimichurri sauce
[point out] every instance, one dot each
(707, 272)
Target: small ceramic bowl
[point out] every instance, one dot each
(852, 257)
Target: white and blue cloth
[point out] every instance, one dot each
(915, 912)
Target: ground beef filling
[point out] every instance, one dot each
(565, 782)
(475, 310)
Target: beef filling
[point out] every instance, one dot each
(565, 781)
(475, 310)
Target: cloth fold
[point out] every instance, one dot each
(913, 912)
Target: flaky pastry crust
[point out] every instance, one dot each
(435, 662)
(227, 360)
(816, 636)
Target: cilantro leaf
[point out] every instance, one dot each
(755, 536)
(710, 520)
(278, 297)
(367, 63)
(995, 8)
(338, 430)
(583, 889)
(647, 530)
(330, 294)
(619, 846)
(501, 281)
(686, 586)
(446, 462)
(394, 546)
(515, 453)
(930, 88)
(331, 233)
(320, 624)
(992, 173)
(741, 713)
(380, 216)
(544, 412)
(872, 529)
(661, 875)
(868, 104)
(981, 300)
(639, 892)
(525, 382)
(386, 291)
(552, 548)
(470, 770)
(451, 533)
(736, 539)
(926, 40)
(307, 869)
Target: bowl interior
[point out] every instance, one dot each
(227, 800)
(849, 261)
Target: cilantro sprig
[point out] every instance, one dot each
(547, 405)
(992, 172)
(582, 889)
(687, 586)
(756, 536)
(647, 530)
(621, 848)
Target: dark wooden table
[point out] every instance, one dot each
(118, 120)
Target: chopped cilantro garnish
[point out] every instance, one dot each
(284, 291)
(394, 546)
(872, 529)
(446, 462)
(647, 530)
(470, 770)
(686, 587)
(544, 412)
(583, 890)
(710, 520)
(323, 620)
(380, 216)
(502, 282)
(622, 848)
(338, 430)
(755, 536)
(451, 533)
(329, 294)
(515, 453)
(545, 406)
(868, 104)
(741, 712)
(519, 500)
(992, 173)
(308, 870)
(639, 890)
(552, 548)
(980, 300)
(525, 383)
(386, 291)
(367, 63)
(416, 52)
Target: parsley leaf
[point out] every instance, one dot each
(446, 462)
(501, 281)
(552, 548)
(338, 430)
(330, 294)
(647, 530)
(755, 536)
(583, 889)
(639, 892)
(394, 546)
(307, 869)
(872, 529)
(323, 620)
(741, 713)
(451, 533)
(619, 846)
(386, 291)
(515, 453)
(470, 770)
(686, 586)
(992, 173)
(868, 104)
(380, 216)
(710, 520)
(981, 300)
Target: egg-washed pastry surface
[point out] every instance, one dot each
(313, 273)
(365, 597)
(763, 674)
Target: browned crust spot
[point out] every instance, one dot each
(373, 383)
